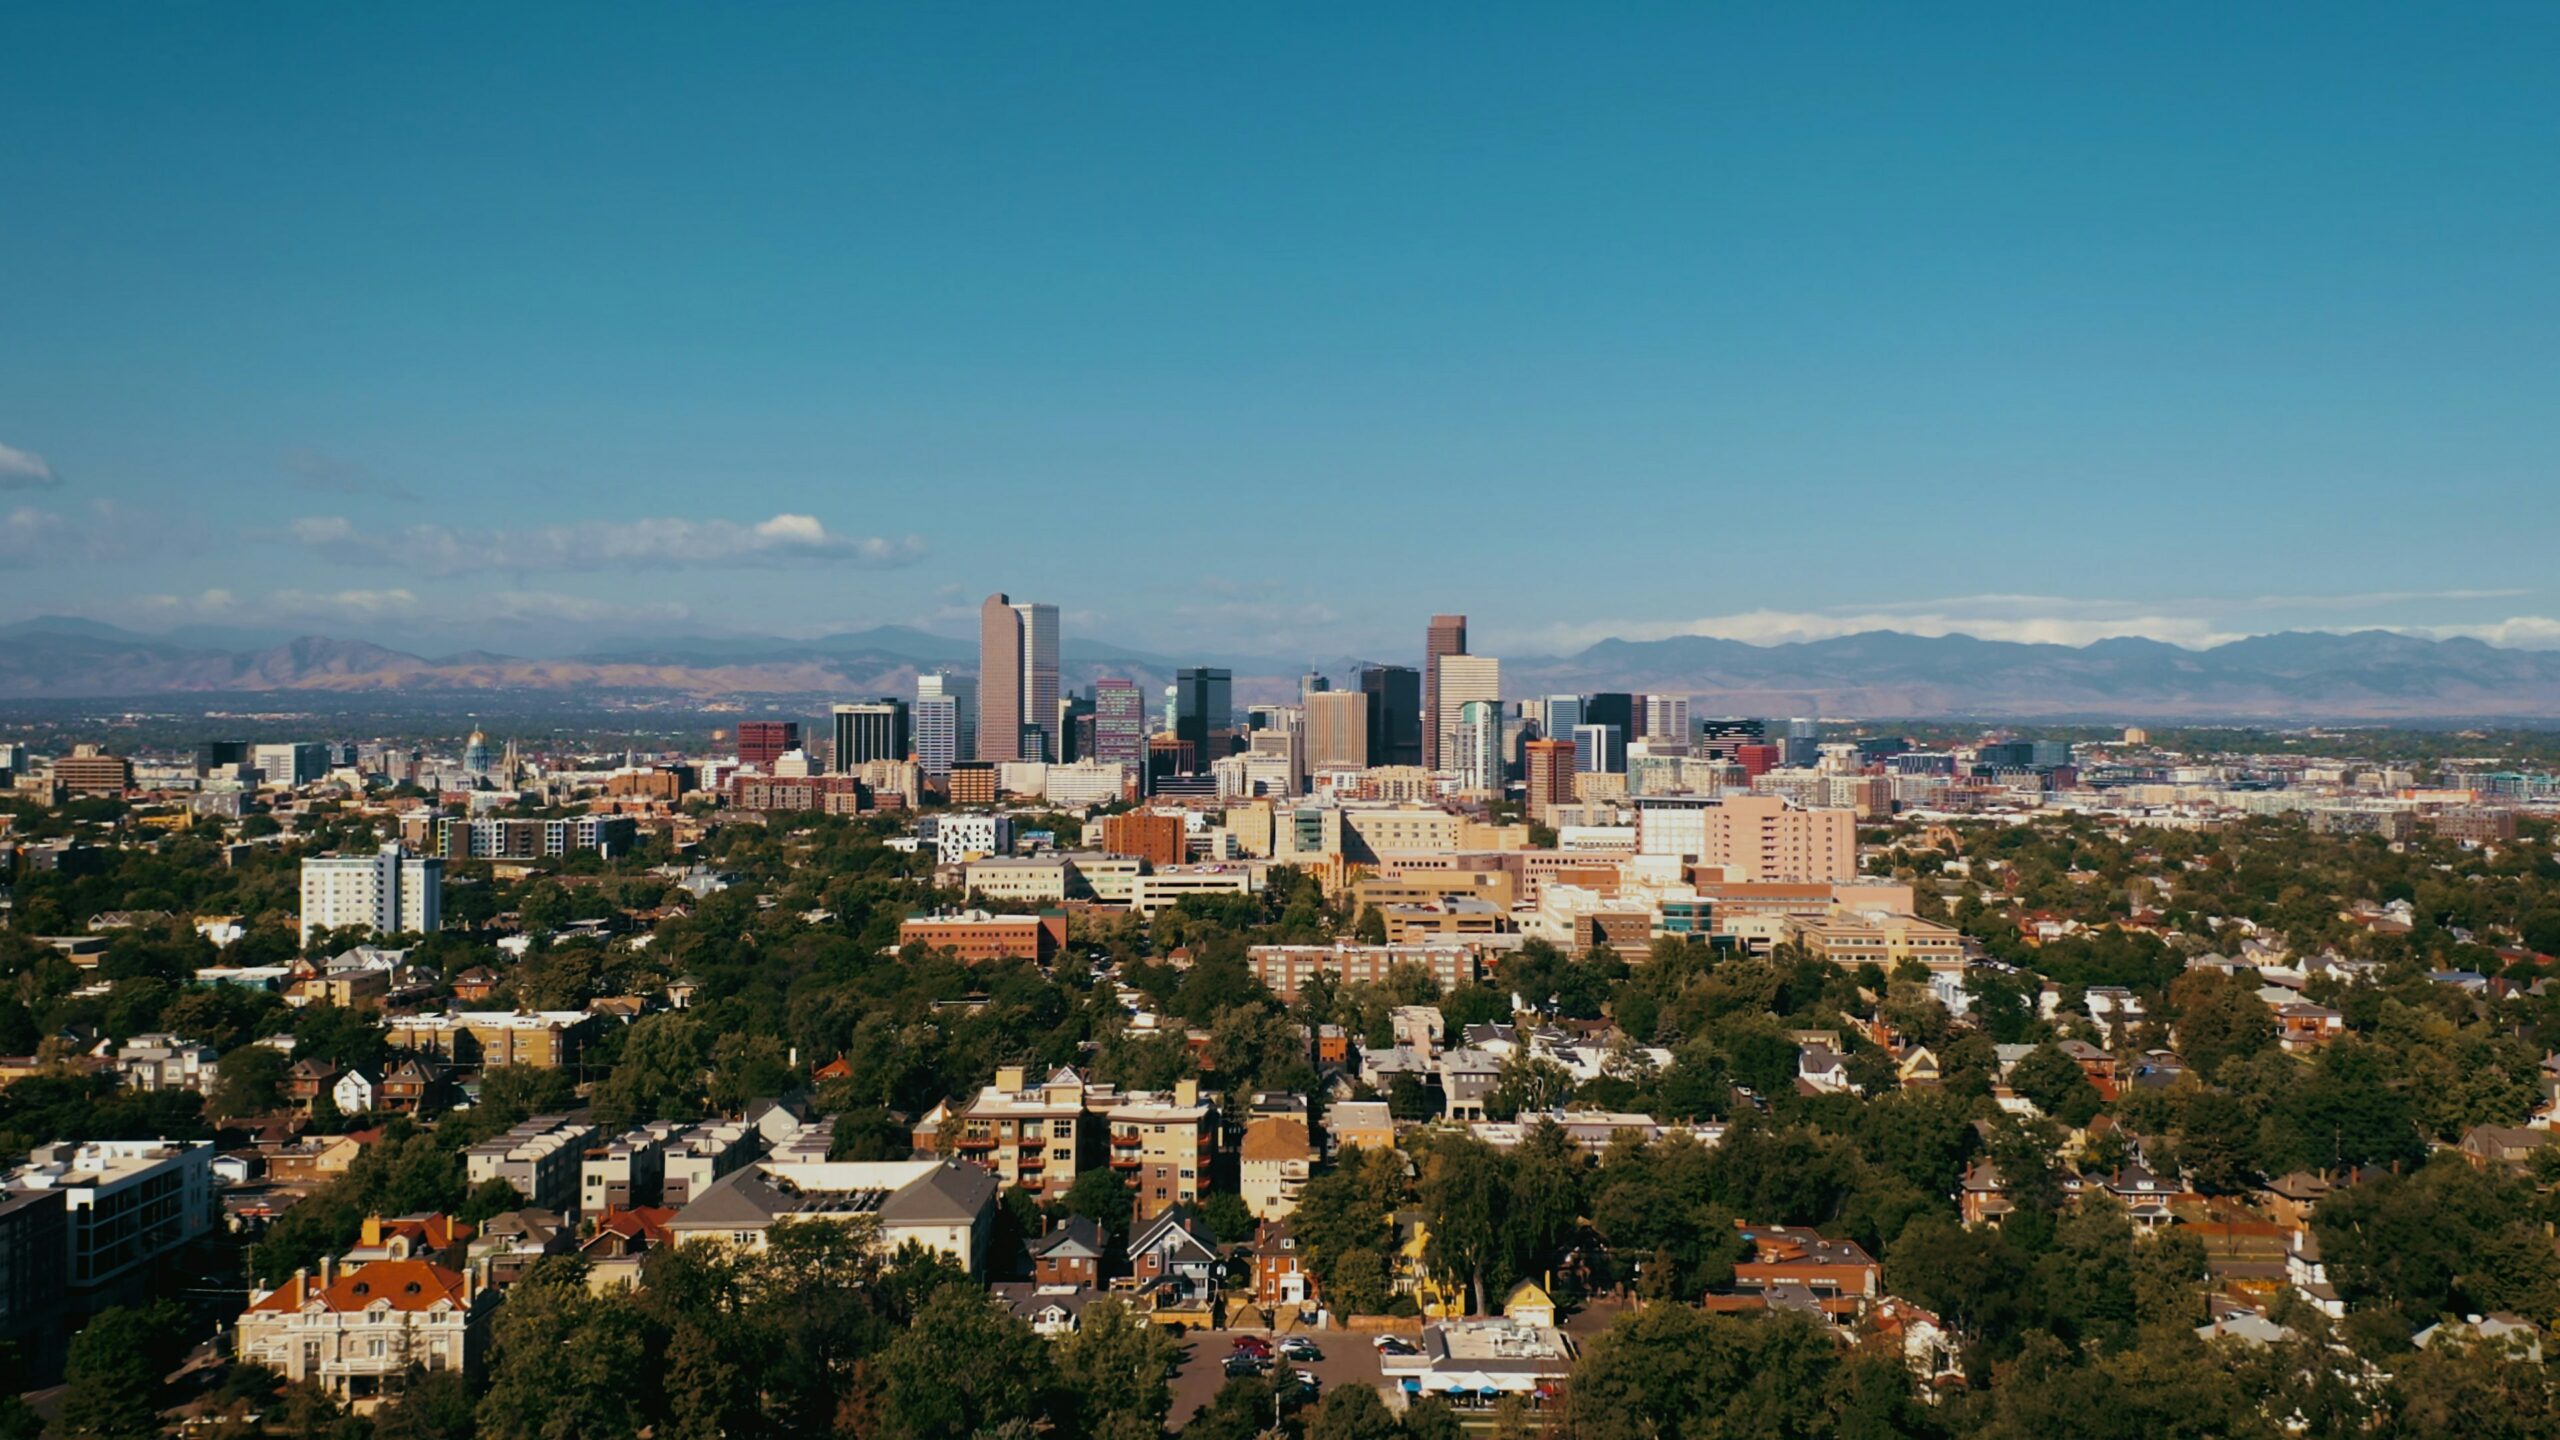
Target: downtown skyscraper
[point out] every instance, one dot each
(1119, 722)
(1017, 680)
(1447, 636)
(1395, 714)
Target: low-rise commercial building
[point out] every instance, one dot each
(975, 935)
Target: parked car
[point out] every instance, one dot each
(1243, 1363)
(1253, 1345)
(1299, 1347)
(1394, 1345)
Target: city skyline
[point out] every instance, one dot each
(402, 383)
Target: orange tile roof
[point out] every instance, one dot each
(406, 1284)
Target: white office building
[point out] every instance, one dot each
(960, 838)
(290, 765)
(389, 893)
(1463, 680)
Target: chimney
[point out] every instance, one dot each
(301, 1283)
(1186, 1092)
(1009, 1078)
(328, 1270)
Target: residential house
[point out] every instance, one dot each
(1982, 1198)
(1174, 1246)
(1921, 1338)
(305, 1081)
(1281, 1279)
(2302, 1026)
(1275, 1160)
(2309, 1276)
(623, 1238)
(424, 1235)
(1071, 1255)
(353, 1093)
(413, 1087)
(1796, 1268)
(1822, 1070)
(1530, 1304)
(165, 1062)
(1365, 1123)
(357, 1333)
(1467, 1077)
(2506, 1145)
(509, 1244)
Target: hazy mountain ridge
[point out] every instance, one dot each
(2363, 675)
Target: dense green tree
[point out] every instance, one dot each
(963, 1366)
(567, 1363)
(1112, 1369)
(112, 1376)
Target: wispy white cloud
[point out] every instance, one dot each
(29, 536)
(637, 544)
(25, 470)
(328, 474)
(2516, 632)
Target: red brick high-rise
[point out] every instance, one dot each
(1447, 636)
(761, 742)
(1550, 767)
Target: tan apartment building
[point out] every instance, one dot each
(1849, 938)
(1426, 887)
(1163, 1144)
(1749, 837)
(1285, 969)
(544, 1039)
(1034, 1136)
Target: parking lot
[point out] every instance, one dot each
(1348, 1360)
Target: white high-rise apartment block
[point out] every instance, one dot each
(1475, 750)
(1465, 679)
(392, 892)
(1040, 677)
(962, 693)
(937, 733)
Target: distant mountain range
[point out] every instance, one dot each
(2373, 675)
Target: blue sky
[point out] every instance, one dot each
(1278, 328)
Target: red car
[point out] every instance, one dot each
(1253, 1345)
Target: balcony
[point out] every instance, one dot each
(974, 1142)
(1127, 1139)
